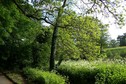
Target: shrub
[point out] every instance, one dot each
(114, 74)
(37, 76)
(77, 73)
(96, 72)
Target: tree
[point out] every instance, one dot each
(80, 40)
(122, 39)
(54, 37)
(103, 37)
(113, 43)
(87, 37)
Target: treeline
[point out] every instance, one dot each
(122, 39)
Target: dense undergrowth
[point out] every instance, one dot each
(96, 72)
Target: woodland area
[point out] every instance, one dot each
(47, 42)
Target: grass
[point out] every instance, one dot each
(122, 47)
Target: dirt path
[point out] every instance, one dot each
(4, 80)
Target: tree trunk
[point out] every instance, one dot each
(54, 37)
(101, 48)
(53, 47)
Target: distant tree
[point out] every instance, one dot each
(113, 43)
(122, 39)
(103, 37)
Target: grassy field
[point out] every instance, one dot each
(116, 53)
(123, 47)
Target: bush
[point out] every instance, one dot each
(77, 73)
(114, 74)
(37, 76)
(96, 72)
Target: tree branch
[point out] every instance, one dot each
(91, 6)
(109, 10)
(32, 15)
(46, 19)
(64, 4)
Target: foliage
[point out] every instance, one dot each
(87, 35)
(16, 28)
(80, 38)
(122, 39)
(42, 77)
(66, 46)
(113, 43)
(19, 44)
(41, 49)
(99, 72)
(76, 73)
(103, 37)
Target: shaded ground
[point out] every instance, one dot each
(4, 80)
(17, 78)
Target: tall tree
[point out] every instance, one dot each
(80, 39)
(103, 37)
(54, 37)
(122, 39)
(113, 43)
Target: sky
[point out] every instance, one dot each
(114, 32)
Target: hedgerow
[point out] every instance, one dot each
(36, 76)
(96, 72)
